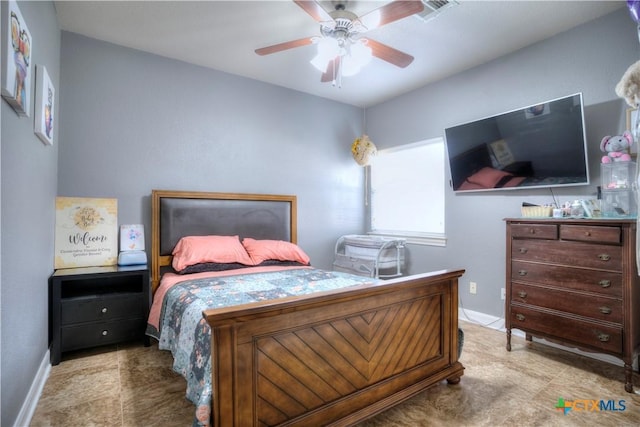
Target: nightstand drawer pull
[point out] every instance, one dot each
(523, 250)
(605, 310)
(604, 257)
(522, 294)
(520, 317)
(104, 310)
(522, 272)
(603, 337)
(605, 283)
(105, 333)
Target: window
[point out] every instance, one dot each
(407, 192)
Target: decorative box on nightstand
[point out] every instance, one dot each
(94, 306)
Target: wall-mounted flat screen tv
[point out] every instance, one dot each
(541, 145)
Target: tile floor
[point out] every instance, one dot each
(132, 386)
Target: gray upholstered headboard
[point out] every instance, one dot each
(176, 214)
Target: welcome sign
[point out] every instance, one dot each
(86, 232)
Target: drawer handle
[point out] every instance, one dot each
(605, 310)
(604, 257)
(587, 233)
(603, 337)
(532, 231)
(520, 317)
(522, 294)
(522, 272)
(104, 310)
(523, 250)
(105, 333)
(605, 283)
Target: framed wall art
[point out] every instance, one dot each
(86, 232)
(45, 101)
(16, 59)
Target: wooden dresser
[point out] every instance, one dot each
(575, 282)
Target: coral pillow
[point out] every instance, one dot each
(487, 177)
(262, 250)
(193, 250)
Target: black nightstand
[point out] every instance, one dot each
(94, 306)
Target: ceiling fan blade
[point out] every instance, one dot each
(316, 11)
(284, 46)
(389, 54)
(390, 12)
(329, 75)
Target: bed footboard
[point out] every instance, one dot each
(334, 358)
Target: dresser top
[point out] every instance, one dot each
(580, 221)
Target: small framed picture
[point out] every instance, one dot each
(45, 105)
(16, 59)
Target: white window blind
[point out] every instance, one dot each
(407, 192)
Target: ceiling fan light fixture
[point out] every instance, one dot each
(361, 53)
(357, 57)
(340, 49)
(328, 49)
(349, 67)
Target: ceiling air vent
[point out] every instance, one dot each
(434, 8)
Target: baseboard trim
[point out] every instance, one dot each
(35, 391)
(497, 323)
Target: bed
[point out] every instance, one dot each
(335, 355)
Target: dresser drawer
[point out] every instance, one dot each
(566, 329)
(587, 233)
(600, 282)
(101, 308)
(587, 305)
(534, 231)
(560, 252)
(101, 333)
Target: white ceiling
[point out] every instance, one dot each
(224, 34)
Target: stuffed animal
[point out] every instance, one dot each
(616, 147)
(628, 87)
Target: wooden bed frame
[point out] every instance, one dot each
(330, 358)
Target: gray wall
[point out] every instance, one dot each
(133, 122)
(29, 181)
(588, 59)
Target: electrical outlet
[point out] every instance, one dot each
(503, 293)
(473, 287)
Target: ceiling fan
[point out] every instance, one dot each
(342, 50)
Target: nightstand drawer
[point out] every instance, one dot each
(567, 329)
(102, 308)
(101, 333)
(581, 304)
